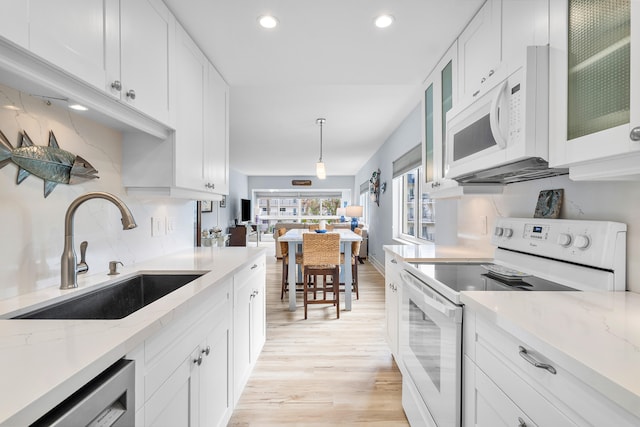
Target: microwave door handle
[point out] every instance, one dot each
(494, 121)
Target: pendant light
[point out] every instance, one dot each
(321, 172)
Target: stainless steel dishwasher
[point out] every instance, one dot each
(107, 400)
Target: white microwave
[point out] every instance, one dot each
(503, 136)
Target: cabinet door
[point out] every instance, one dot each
(594, 53)
(191, 71)
(146, 29)
(175, 402)
(215, 399)
(524, 23)
(392, 301)
(242, 300)
(72, 35)
(14, 21)
(479, 49)
(216, 131)
(258, 314)
(440, 94)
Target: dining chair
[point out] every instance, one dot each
(355, 250)
(284, 248)
(321, 256)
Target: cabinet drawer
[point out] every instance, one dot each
(498, 355)
(495, 409)
(530, 401)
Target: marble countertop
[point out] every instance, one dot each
(43, 361)
(437, 253)
(593, 335)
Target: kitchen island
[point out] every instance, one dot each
(44, 361)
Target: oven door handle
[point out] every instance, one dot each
(429, 297)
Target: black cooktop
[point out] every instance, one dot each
(474, 277)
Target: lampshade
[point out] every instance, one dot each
(354, 211)
(321, 172)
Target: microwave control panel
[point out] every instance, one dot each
(515, 111)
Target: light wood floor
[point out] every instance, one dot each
(323, 371)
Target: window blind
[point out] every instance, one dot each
(409, 160)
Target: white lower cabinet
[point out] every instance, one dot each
(392, 303)
(187, 374)
(249, 321)
(510, 382)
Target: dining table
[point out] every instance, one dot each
(294, 238)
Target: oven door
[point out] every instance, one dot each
(431, 350)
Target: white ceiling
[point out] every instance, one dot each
(325, 59)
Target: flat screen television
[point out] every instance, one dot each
(245, 212)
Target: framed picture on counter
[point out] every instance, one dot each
(206, 206)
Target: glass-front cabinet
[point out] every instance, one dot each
(440, 92)
(595, 115)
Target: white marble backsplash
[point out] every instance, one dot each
(32, 227)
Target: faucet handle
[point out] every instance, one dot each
(82, 266)
(113, 267)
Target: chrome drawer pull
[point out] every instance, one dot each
(526, 356)
(521, 422)
(635, 134)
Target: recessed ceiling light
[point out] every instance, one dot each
(383, 21)
(78, 107)
(268, 21)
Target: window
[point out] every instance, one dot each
(414, 217)
(364, 201)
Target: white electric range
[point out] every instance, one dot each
(531, 254)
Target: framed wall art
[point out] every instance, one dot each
(206, 206)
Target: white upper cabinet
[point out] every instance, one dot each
(193, 162)
(216, 131)
(440, 92)
(595, 116)
(479, 50)
(191, 74)
(524, 23)
(90, 50)
(146, 32)
(73, 35)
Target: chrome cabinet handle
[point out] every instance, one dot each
(254, 266)
(526, 356)
(210, 185)
(198, 361)
(131, 94)
(116, 85)
(521, 422)
(393, 261)
(206, 351)
(635, 134)
(476, 93)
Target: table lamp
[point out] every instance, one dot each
(355, 212)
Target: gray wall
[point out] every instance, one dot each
(405, 137)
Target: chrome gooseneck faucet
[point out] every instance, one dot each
(69, 266)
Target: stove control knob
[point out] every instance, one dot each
(564, 239)
(508, 232)
(581, 241)
(499, 231)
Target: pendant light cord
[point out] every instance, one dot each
(321, 122)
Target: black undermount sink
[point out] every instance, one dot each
(114, 301)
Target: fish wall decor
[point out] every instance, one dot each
(51, 163)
